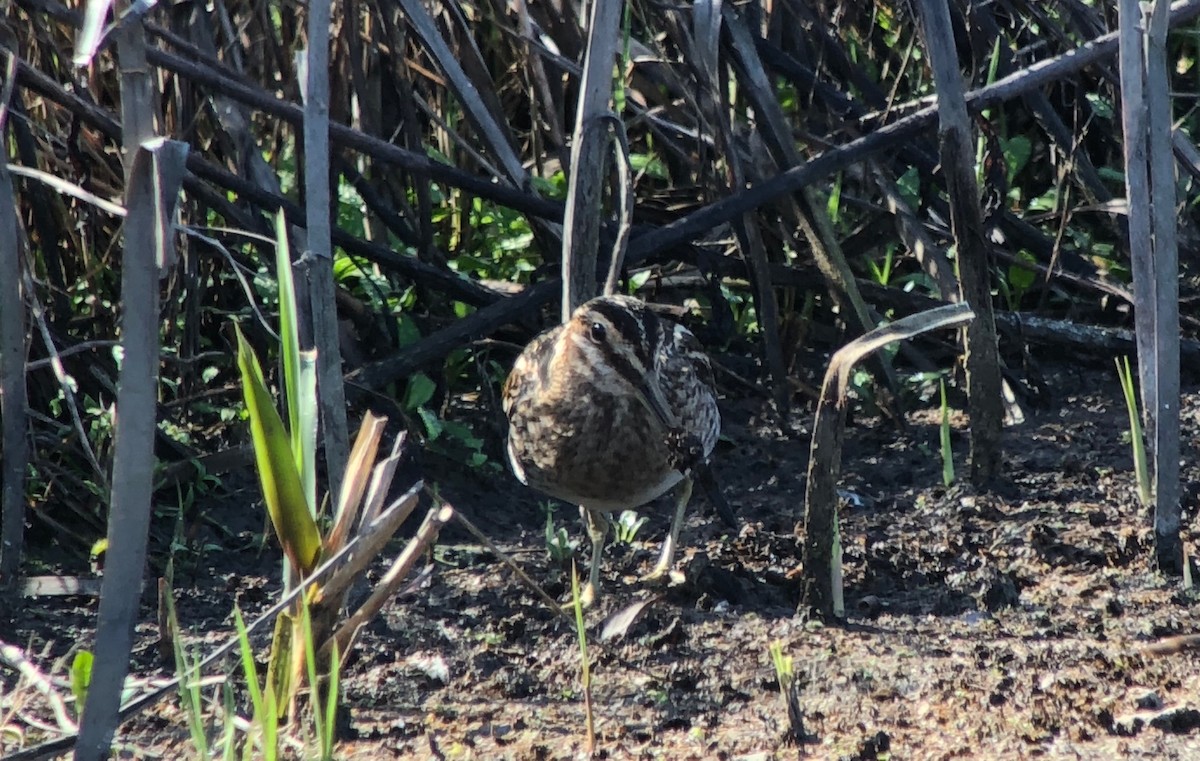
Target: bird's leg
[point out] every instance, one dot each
(597, 528)
(704, 476)
(667, 558)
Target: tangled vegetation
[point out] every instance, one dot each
(789, 196)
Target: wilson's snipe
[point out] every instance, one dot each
(609, 411)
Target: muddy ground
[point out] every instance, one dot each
(1013, 623)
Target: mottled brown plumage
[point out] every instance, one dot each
(609, 411)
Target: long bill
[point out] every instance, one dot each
(652, 396)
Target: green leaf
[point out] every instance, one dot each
(649, 165)
(1022, 278)
(1101, 106)
(947, 451)
(251, 673)
(407, 330)
(638, 279)
(281, 680)
(419, 391)
(834, 204)
(1017, 151)
(462, 433)
(909, 185)
(277, 474)
(433, 425)
(345, 268)
(81, 678)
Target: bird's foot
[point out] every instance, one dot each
(659, 574)
(664, 576)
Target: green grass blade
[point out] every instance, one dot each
(299, 371)
(331, 702)
(248, 667)
(229, 734)
(947, 451)
(189, 676)
(1141, 466)
(289, 335)
(314, 684)
(262, 702)
(81, 678)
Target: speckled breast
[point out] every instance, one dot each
(602, 451)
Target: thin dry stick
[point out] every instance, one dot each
(69, 188)
(585, 665)
(504, 558)
(15, 658)
(64, 381)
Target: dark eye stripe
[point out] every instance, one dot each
(627, 326)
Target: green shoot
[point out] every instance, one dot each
(188, 669)
(266, 717)
(947, 452)
(1187, 571)
(81, 679)
(627, 526)
(783, 667)
(558, 542)
(1136, 441)
(835, 573)
(881, 271)
(789, 689)
(229, 736)
(580, 627)
(324, 714)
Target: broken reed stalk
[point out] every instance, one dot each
(1150, 188)
(153, 174)
(821, 592)
(13, 396)
(427, 534)
(581, 223)
(984, 397)
(318, 246)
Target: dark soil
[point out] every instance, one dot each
(1011, 623)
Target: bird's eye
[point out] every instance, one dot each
(598, 332)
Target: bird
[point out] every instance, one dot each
(608, 411)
